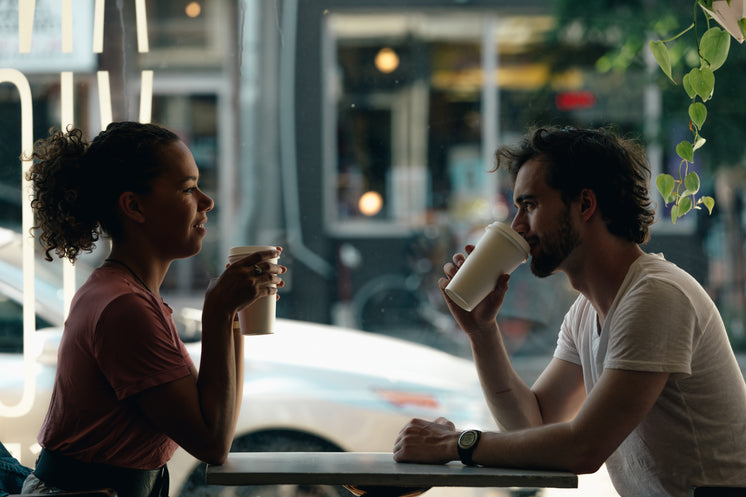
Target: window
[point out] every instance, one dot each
(357, 134)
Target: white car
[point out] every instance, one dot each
(308, 387)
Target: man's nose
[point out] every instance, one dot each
(518, 223)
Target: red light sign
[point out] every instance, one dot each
(575, 100)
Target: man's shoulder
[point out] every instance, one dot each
(656, 269)
(667, 285)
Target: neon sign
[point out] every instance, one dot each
(26, 13)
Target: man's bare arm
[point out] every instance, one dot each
(556, 396)
(617, 404)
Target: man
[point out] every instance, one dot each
(643, 376)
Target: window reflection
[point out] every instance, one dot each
(340, 130)
(412, 104)
(417, 132)
(189, 34)
(195, 118)
(376, 140)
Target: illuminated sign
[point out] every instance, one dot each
(16, 78)
(47, 35)
(50, 36)
(575, 100)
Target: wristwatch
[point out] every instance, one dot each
(467, 442)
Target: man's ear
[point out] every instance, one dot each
(588, 203)
(129, 203)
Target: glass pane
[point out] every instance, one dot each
(404, 124)
(194, 118)
(359, 135)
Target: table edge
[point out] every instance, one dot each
(465, 477)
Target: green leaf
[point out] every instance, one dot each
(665, 183)
(709, 202)
(698, 114)
(685, 150)
(660, 52)
(742, 25)
(713, 47)
(687, 83)
(702, 80)
(684, 206)
(674, 213)
(691, 182)
(707, 3)
(708, 80)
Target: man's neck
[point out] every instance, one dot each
(601, 270)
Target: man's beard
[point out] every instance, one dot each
(554, 248)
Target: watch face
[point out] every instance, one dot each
(467, 439)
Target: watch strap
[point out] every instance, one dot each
(466, 450)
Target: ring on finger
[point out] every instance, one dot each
(258, 271)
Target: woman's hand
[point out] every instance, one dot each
(483, 316)
(245, 281)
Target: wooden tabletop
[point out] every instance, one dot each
(370, 468)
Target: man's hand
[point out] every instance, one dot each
(482, 317)
(429, 442)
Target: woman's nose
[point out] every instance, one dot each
(206, 202)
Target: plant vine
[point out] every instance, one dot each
(699, 83)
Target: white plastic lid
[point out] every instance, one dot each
(512, 235)
(248, 249)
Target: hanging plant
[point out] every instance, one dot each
(699, 83)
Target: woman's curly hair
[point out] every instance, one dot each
(76, 184)
(616, 169)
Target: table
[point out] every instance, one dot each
(371, 473)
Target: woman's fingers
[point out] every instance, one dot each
(260, 257)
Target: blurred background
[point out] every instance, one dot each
(358, 134)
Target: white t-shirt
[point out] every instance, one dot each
(662, 320)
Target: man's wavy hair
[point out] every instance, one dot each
(616, 169)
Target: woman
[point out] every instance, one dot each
(126, 392)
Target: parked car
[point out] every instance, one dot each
(308, 387)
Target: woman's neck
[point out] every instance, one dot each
(145, 272)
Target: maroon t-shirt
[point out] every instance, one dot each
(119, 340)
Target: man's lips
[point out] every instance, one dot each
(532, 243)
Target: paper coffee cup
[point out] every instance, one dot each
(257, 318)
(499, 251)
